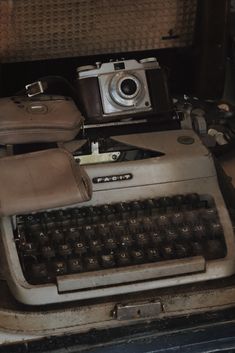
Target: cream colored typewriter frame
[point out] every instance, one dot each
(183, 169)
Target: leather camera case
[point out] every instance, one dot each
(40, 181)
(42, 119)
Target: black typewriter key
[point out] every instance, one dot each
(57, 236)
(107, 261)
(75, 265)
(209, 214)
(178, 200)
(165, 202)
(153, 254)
(133, 225)
(177, 218)
(88, 231)
(20, 220)
(118, 227)
(142, 239)
(106, 209)
(59, 267)
(47, 251)
(185, 232)
(41, 237)
(34, 228)
(94, 214)
(215, 229)
(171, 234)
(64, 250)
(192, 200)
(39, 271)
(29, 249)
(49, 220)
(79, 248)
(73, 222)
(21, 232)
(148, 224)
(59, 217)
(65, 222)
(50, 225)
(75, 212)
(72, 235)
(108, 212)
(81, 221)
(126, 240)
(33, 222)
(123, 209)
(137, 256)
(74, 216)
(181, 250)
(83, 212)
(110, 242)
(199, 231)
(163, 221)
(137, 209)
(123, 258)
(148, 206)
(197, 248)
(79, 216)
(157, 204)
(191, 217)
(167, 251)
(92, 263)
(103, 229)
(95, 245)
(156, 237)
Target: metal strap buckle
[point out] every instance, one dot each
(33, 89)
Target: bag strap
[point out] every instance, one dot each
(50, 84)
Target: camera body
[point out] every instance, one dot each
(123, 89)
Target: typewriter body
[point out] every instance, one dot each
(156, 240)
(136, 233)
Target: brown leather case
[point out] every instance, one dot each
(45, 119)
(41, 180)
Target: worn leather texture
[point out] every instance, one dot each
(48, 119)
(41, 180)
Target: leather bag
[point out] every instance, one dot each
(41, 180)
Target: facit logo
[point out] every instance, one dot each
(110, 178)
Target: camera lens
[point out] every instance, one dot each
(125, 89)
(128, 87)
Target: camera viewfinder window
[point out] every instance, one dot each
(119, 66)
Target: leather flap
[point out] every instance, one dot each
(41, 180)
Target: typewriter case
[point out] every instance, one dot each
(39, 38)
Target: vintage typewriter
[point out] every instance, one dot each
(156, 218)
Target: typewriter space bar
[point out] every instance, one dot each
(130, 274)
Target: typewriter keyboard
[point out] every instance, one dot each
(120, 235)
